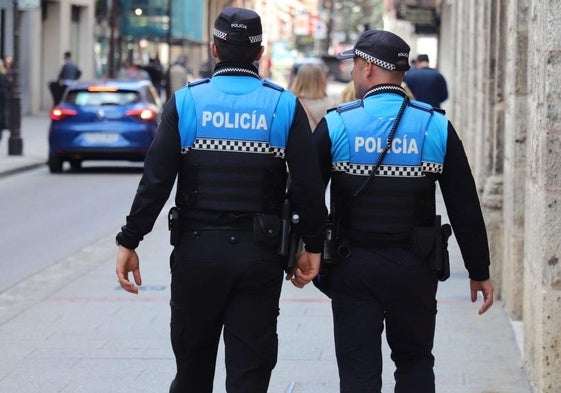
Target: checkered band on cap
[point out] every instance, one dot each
(220, 34)
(253, 39)
(374, 60)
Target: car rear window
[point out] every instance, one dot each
(86, 97)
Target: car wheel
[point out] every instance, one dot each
(55, 164)
(75, 165)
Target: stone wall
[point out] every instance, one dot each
(503, 62)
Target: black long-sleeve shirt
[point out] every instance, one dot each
(459, 193)
(164, 159)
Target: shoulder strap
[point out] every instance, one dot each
(386, 148)
(198, 82)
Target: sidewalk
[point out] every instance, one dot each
(71, 329)
(34, 133)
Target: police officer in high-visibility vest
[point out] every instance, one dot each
(229, 140)
(383, 155)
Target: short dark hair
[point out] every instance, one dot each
(67, 54)
(236, 53)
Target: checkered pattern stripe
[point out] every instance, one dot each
(385, 89)
(340, 166)
(253, 39)
(432, 167)
(387, 170)
(220, 34)
(229, 70)
(374, 60)
(235, 146)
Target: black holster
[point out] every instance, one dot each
(289, 236)
(173, 226)
(431, 242)
(335, 248)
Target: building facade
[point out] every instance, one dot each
(502, 60)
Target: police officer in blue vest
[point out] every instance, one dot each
(228, 140)
(383, 222)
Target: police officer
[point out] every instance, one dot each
(228, 139)
(382, 275)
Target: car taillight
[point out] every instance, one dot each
(60, 113)
(143, 114)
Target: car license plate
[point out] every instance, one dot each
(100, 137)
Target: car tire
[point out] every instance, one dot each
(55, 164)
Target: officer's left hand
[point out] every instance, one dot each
(127, 261)
(486, 288)
(306, 269)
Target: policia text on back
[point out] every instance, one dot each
(430, 242)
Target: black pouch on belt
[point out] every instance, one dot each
(266, 229)
(173, 226)
(431, 242)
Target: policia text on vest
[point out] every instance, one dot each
(430, 242)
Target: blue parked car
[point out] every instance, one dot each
(107, 120)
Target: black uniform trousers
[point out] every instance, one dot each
(221, 279)
(377, 286)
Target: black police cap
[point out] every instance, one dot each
(238, 26)
(382, 48)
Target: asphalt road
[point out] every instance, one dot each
(46, 217)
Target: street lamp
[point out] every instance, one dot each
(15, 142)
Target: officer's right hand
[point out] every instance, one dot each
(306, 269)
(127, 261)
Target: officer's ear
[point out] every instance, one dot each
(213, 50)
(260, 53)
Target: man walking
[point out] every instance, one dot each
(69, 70)
(228, 140)
(427, 84)
(383, 154)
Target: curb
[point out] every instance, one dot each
(22, 168)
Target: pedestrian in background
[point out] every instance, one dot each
(427, 84)
(383, 217)
(310, 86)
(154, 70)
(69, 70)
(349, 93)
(228, 140)
(132, 72)
(177, 75)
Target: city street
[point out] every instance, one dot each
(66, 326)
